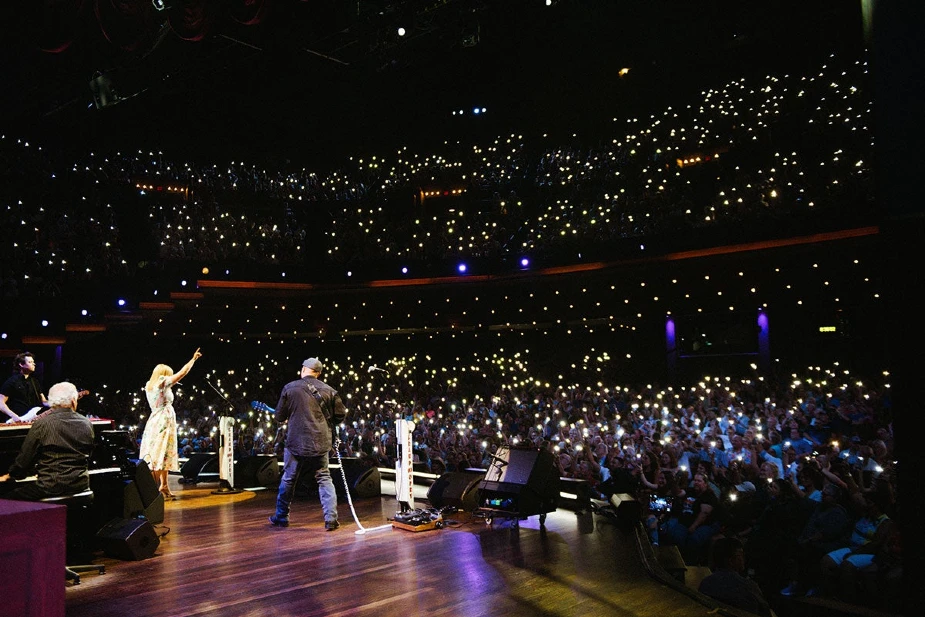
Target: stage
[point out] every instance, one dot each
(222, 558)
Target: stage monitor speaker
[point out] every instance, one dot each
(256, 471)
(199, 463)
(128, 539)
(363, 478)
(456, 488)
(141, 497)
(525, 480)
(628, 508)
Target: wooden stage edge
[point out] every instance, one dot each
(220, 557)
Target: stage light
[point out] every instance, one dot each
(3, 336)
(401, 31)
(462, 268)
(44, 323)
(404, 270)
(205, 270)
(349, 273)
(84, 312)
(183, 283)
(476, 110)
(121, 302)
(524, 262)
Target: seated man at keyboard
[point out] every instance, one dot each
(57, 448)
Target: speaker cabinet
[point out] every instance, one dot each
(629, 510)
(256, 471)
(200, 467)
(128, 539)
(522, 481)
(141, 497)
(363, 478)
(456, 488)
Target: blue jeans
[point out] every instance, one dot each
(293, 468)
(693, 546)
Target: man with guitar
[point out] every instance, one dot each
(311, 409)
(21, 395)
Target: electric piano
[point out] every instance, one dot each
(13, 435)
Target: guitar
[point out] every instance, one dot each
(29, 416)
(258, 406)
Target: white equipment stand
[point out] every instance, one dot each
(226, 457)
(404, 466)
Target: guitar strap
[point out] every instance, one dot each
(35, 390)
(320, 399)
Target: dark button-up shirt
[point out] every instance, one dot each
(23, 393)
(310, 430)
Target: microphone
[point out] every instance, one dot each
(373, 368)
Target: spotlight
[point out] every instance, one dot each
(44, 323)
(401, 31)
(183, 283)
(476, 110)
(205, 270)
(3, 336)
(462, 268)
(84, 312)
(349, 273)
(121, 302)
(524, 262)
(404, 270)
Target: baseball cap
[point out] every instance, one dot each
(313, 364)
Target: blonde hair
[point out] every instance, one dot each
(161, 370)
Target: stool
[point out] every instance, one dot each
(78, 513)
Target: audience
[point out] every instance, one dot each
(756, 462)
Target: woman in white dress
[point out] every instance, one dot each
(159, 440)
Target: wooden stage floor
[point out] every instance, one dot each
(221, 558)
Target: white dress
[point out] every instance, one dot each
(159, 441)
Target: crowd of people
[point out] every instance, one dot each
(785, 148)
(799, 470)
